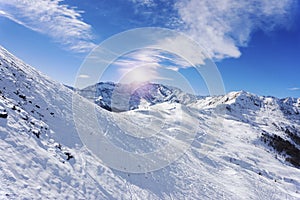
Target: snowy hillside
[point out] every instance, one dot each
(246, 146)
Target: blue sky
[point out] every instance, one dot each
(255, 44)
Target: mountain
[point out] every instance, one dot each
(124, 97)
(245, 146)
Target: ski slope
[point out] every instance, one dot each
(42, 155)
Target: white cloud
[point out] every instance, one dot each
(189, 51)
(151, 58)
(294, 89)
(147, 3)
(139, 66)
(144, 65)
(83, 76)
(50, 17)
(222, 26)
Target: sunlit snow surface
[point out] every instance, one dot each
(223, 162)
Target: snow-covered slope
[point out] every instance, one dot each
(42, 156)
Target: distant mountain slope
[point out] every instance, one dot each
(240, 150)
(277, 119)
(123, 97)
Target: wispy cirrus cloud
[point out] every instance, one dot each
(294, 89)
(147, 3)
(151, 58)
(144, 65)
(83, 76)
(62, 23)
(222, 27)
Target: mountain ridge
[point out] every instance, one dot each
(96, 92)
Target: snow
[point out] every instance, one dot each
(226, 160)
